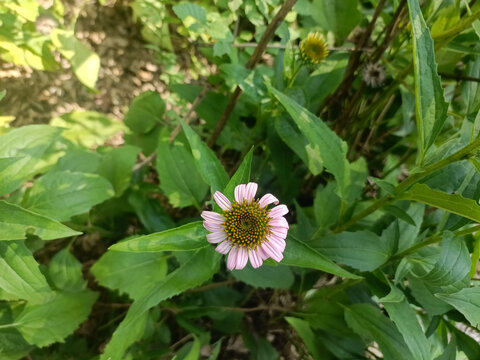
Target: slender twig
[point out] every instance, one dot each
(257, 53)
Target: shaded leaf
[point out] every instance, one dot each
(145, 112)
(65, 272)
(275, 277)
(467, 301)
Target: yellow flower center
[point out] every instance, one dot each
(313, 49)
(246, 224)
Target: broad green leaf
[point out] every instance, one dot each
(368, 322)
(299, 254)
(431, 108)
(194, 16)
(275, 277)
(85, 62)
(303, 329)
(402, 314)
(362, 250)
(453, 203)
(116, 166)
(207, 163)
(20, 152)
(179, 178)
(63, 194)
(115, 270)
(44, 324)
(453, 263)
(298, 142)
(340, 17)
(150, 212)
(325, 143)
(467, 301)
(184, 238)
(399, 213)
(12, 345)
(79, 160)
(467, 344)
(65, 272)
(21, 276)
(192, 351)
(145, 112)
(241, 176)
(195, 271)
(16, 222)
(450, 352)
(87, 128)
(326, 205)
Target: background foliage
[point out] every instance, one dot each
(102, 252)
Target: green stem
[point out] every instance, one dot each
(408, 182)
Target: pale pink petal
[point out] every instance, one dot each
(272, 251)
(261, 253)
(250, 191)
(213, 216)
(267, 199)
(279, 231)
(255, 258)
(242, 258)
(216, 237)
(232, 258)
(212, 226)
(274, 237)
(278, 211)
(278, 222)
(222, 201)
(224, 247)
(240, 192)
(278, 244)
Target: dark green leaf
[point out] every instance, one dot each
(325, 143)
(65, 272)
(303, 329)
(195, 271)
(275, 277)
(241, 176)
(362, 250)
(16, 222)
(453, 203)
(145, 112)
(399, 213)
(300, 254)
(184, 238)
(44, 324)
(116, 270)
(63, 194)
(209, 167)
(467, 301)
(340, 17)
(431, 108)
(368, 322)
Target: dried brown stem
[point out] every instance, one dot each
(257, 53)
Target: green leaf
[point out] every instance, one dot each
(85, 62)
(362, 250)
(184, 238)
(431, 108)
(399, 213)
(241, 176)
(303, 329)
(65, 272)
(300, 254)
(467, 301)
(116, 166)
(87, 128)
(115, 270)
(326, 206)
(21, 276)
(79, 160)
(16, 222)
(63, 194)
(275, 277)
(207, 163)
(195, 271)
(12, 345)
(145, 112)
(339, 17)
(453, 263)
(401, 313)
(179, 178)
(298, 142)
(454, 203)
(325, 143)
(194, 16)
(368, 322)
(20, 153)
(44, 324)
(468, 345)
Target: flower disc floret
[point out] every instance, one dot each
(247, 229)
(313, 49)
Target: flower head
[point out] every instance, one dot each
(373, 74)
(313, 48)
(247, 229)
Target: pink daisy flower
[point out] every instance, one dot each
(247, 230)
